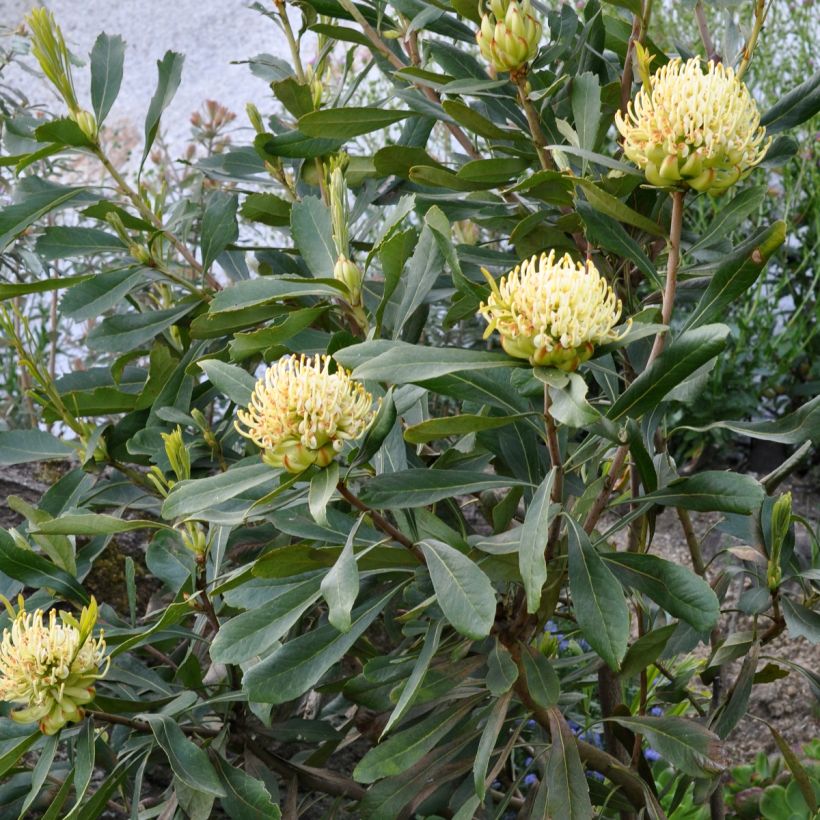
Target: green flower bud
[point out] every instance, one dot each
(255, 117)
(350, 276)
(509, 35)
(87, 123)
(177, 453)
(781, 521)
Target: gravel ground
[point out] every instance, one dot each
(210, 33)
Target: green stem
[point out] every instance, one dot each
(533, 120)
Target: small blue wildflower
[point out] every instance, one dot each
(496, 784)
(530, 779)
(576, 728)
(584, 645)
(651, 755)
(531, 724)
(596, 776)
(528, 762)
(550, 626)
(656, 711)
(563, 645)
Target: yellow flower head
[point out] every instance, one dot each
(552, 312)
(50, 666)
(509, 35)
(301, 414)
(693, 129)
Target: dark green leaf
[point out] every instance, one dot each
(599, 603)
(463, 591)
(169, 70)
(799, 105)
(268, 209)
(711, 491)
(420, 487)
(340, 586)
(532, 562)
(502, 672)
(219, 228)
(124, 332)
(60, 242)
(542, 681)
(251, 292)
(486, 745)
(246, 798)
(344, 123)
(35, 571)
(107, 58)
(100, 293)
(674, 587)
(568, 793)
(680, 741)
(801, 621)
(460, 425)
(35, 204)
(299, 665)
(188, 762)
(680, 359)
(25, 446)
(313, 236)
(237, 384)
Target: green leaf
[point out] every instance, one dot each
(25, 446)
(322, 487)
(801, 621)
(586, 109)
(64, 132)
(646, 650)
(399, 752)
(107, 58)
(463, 591)
(568, 403)
(674, 587)
(486, 745)
(313, 236)
(90, 299)
(423, 268)
(729, 216)
(60, 242)
(251, 292)
(300, 664)
(190, 497)
(682, 742)
(11, 290)
(245, 345)
(219, 227)
(502, 672)
(169, 69)
(460, 425)
(9, 758)
(798, 770)
(597, 159)
(268, 209)
(795, 428)
(378, 431)
(610, 205)
(542, 681)
(711, 491)
(419, 487)
(680, 359)
(736, 274)
(344, 123)
(799, 105)
(188, 762)
(340, 586)
(237, 384)
(246, 798)
(35, 204)
(492, 172)
(398, 362)
(91, 524)
(599, 603)
(532, 562)
(568, 792)
(37, 572)
(253, 632)
(125, 332)
(420, 667)
(295, 145)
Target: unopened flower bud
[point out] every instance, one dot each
(509, 35)
(177, 454)
(780, 523)
(87, 123)
(255, 117)
(350, 276)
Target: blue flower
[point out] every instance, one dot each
(530, 779)
(528, 762)
(584, 645)
(656, 711)
(576, 728)
(531, 724)
(596, 776)
(563, 644)
(550, 626)
(651, 755)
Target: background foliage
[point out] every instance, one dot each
(356, 640)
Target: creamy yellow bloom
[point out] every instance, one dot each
(550, 312)
(509, 35)
(301, 414)
(693, 129)
(50, 666)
